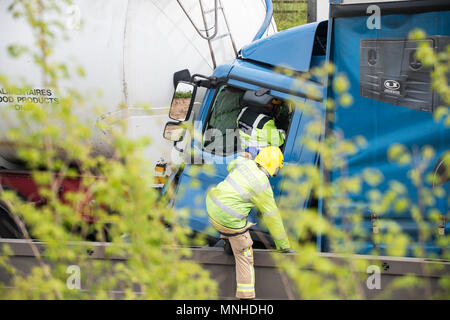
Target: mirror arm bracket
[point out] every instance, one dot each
(206, 82)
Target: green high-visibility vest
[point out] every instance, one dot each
(245, 187)
(258, 130)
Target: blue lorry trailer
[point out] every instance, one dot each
(393, 103)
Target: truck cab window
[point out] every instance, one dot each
(221, 134)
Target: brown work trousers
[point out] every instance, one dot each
(241, 245)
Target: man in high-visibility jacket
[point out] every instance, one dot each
(229, 203)
(257, 128)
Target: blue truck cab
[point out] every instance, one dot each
(393, 102)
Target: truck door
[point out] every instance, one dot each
(220, 144)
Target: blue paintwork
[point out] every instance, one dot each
(385, 124)
(194, 183)
(380, 123)
(247, 71)
(291, 48)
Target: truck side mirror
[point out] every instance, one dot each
(174, 131)
(182, 75)
(182, 100)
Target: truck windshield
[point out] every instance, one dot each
(221, 134)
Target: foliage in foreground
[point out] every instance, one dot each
(133, 218)
(116, 193)
(342, 222)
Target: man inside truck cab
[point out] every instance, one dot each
(246, 120)
(256, 123)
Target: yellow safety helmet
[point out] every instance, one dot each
(270, 158)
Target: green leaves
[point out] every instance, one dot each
(341, 84)
(372, 176)
(360, 209)
(84, 196)
(399, 154)
(17, 50)
(88, 197)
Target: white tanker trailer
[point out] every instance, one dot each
(129, 50)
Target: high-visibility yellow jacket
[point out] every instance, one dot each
(245, 187)
(258, 130)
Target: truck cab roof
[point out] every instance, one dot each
(292, 48)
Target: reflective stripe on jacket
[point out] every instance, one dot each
(245, 187)
(258, 130)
